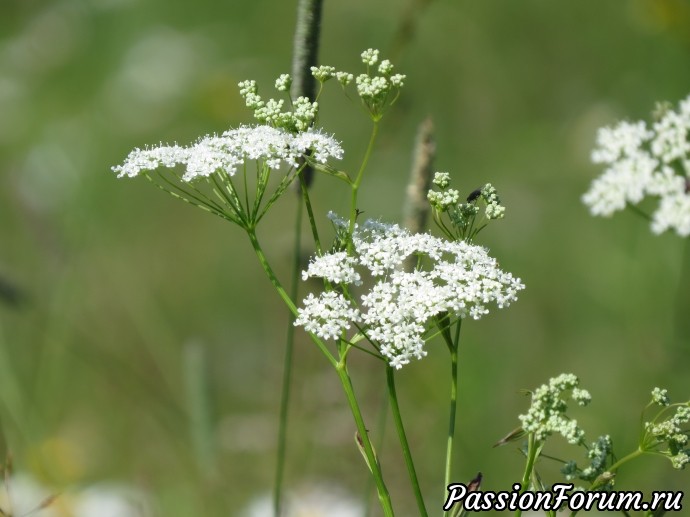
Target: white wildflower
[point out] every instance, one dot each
(398, 80)
(372, 88)
(322, 73)
(456, 278)
(283, 83)
(385, 67)
(441, 179)
(673, 213)
(660, 397)
(344, 78)
(327, 315)
(233, 148)
(370, 56)
(443, 200)
(338, 268)
(546, 415)
(645, 161)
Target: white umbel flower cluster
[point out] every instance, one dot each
(547, 415)
(395, 314)
(232, 149)
(645, 161)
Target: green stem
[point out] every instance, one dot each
(613, 468)
(282, 293)
(287, 370)
(452, 415)
(384, 496)
(304, 187)
(529, 467)
(400, 428)
(381, 426)
(358, 179)
(452, 344)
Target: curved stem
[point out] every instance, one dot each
(400, 428)
(283, 294)
(287, 370)
(384, 496)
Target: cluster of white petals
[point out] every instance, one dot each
(229, 151)
(456, 278)
(645, 161)
(547, 415)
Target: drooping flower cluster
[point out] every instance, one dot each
(642, 161)
(669, 435)
(547, 414)
(599, 454)
(229, 151)
(396, 313)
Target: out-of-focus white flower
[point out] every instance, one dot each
(316, 501)
(28, 496)
(642, 161)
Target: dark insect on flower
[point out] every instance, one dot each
(474, 195)
(687, 185)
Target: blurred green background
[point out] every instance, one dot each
(116, 297)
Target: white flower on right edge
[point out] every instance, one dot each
(645, 161)
(397, 312)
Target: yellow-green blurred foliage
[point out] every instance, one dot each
(113, 291)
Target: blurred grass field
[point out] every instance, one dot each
(113, 289)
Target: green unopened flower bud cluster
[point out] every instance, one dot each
(270, 112)
(669, 435)
(547, 414)
(462, 212)
(599, 453)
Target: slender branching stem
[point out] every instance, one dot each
(453, 345)
(310, 213)
(400, 428)
(283, 294)
(363, 436)
(529, 467)
(358, 180)
(287, 370)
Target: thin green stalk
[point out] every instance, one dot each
(287, 370)
(384, 496)
(358, 179)
(282, 293)
(304, 187)
(400, 428)
(383, 413)
(453, 345)
(452, 416)
(529, 467)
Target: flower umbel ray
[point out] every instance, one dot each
(211, 163)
